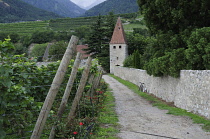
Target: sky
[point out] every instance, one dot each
(85, 3)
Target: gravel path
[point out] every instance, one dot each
(140, 120)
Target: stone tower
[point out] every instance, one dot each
(118, 46)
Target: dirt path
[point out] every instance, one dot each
(140, 120)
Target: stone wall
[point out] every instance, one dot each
(118, 53)
(191, 91)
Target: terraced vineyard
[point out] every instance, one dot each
(62, 24)
(24, 28)
(68, 24)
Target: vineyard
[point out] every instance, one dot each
(62, 24)
(24, 87)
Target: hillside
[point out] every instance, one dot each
(117, 6)
(64, 24)
(64, 8)
(94, 4)
(16, 10)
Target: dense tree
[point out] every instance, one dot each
(175, 16)
(99, 38)
(136, 42)
(171, 24)
(137, 60)
(95, 39)
(42, 36)
(198, 52)
(13, 36)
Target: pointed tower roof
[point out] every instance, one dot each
(118, 36)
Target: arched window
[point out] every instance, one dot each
(117, 58)
(120, 46)
(114, 47)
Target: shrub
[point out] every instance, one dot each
(57, 50)
(128, 62)
(42, 36)
(38, 51)
(198, 52)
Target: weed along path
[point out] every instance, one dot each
(140, 120)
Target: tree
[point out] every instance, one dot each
(99, 38)
(175, 16)
(198, 52)
(136, 42)
(170, 24)
(95, 39)
(136, 60)
(42, 36)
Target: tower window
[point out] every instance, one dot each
(114, 47)
(117, 58)
(118, 27)
(120, 46)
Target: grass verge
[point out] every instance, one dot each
(164, 105)
(108, 126)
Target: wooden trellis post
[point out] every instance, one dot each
(54, 88)
(80, 90)
(98, 79)
(67, 92)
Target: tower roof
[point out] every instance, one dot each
(118, 36)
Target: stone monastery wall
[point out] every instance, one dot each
(191, 91)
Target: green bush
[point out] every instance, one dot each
(198, 52)
(128, 62)
(38, 51)
(42, 36)
(20, 49)
(57, 50)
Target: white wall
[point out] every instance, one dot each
(191, 91)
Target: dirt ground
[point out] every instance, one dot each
(140, 120)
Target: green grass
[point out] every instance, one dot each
(108, 127)
(166, 106)
(129, 27)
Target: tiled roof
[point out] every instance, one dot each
(80, 49)
(118, 36)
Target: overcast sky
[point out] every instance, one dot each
(85, 3)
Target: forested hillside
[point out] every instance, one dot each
(64, 8)
(116, 6)
(15, 11)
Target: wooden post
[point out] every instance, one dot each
(54, 89)
(90, 80)
(99, 79)
(46, 53)
(80, 90)
(67, 92)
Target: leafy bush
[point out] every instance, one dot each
(198, 52)
(169, 64)
(128, 62)
(38, 51)
(137, 60)
(20, 49)
(57, 50)
(42, 36)
(24, 87)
